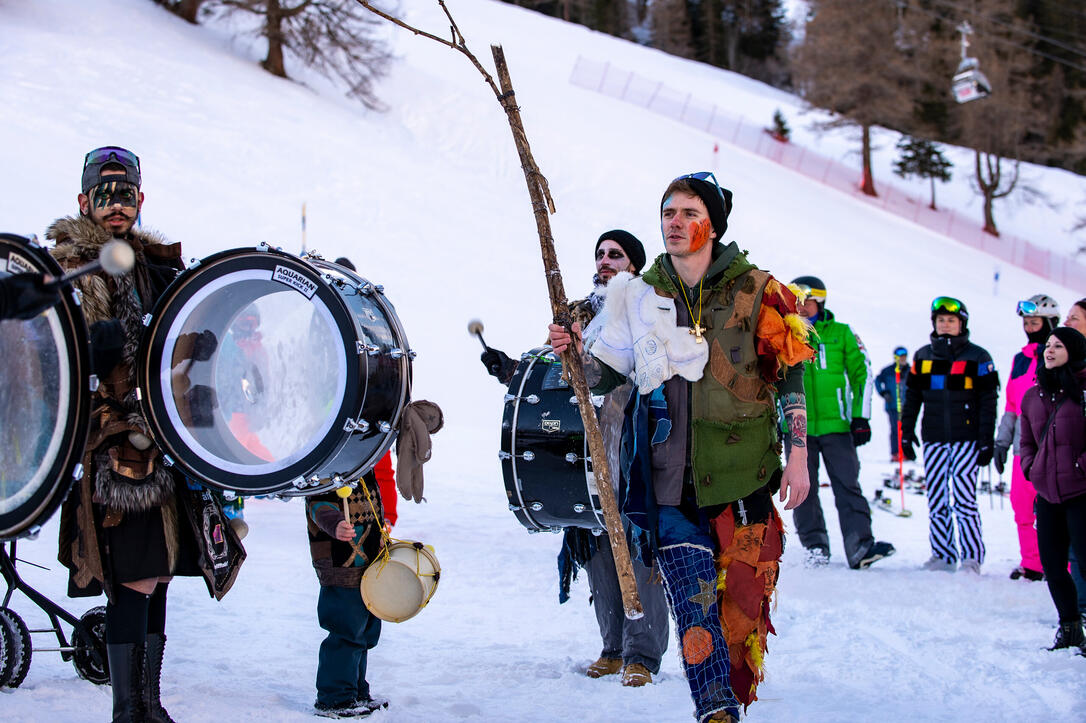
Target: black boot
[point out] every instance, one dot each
(156, 645)
(126, 674)
(1070, 635)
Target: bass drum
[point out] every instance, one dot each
(44, 399)
(544, 454)
(264, 373)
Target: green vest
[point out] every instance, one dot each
(733, 415)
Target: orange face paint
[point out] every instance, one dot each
(699, 233)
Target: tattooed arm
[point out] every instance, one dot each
(795, 481)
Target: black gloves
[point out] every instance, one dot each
(984, 454)
(495, 362)
(999, 456)
(861, 431)
(24, 296)
(908, 439)
(107, 346)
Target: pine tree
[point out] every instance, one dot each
(779, 130)
(923, 159)
(335, 37)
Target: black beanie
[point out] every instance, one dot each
(719, 208)
(635, 252)
(1075, 343)
(346, 262)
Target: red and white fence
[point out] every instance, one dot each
(683, 107)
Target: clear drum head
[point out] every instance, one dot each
(43, 400)
(247, 371)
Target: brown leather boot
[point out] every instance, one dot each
(604, 666)
(636, 675)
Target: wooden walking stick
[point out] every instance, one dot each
(542, 206)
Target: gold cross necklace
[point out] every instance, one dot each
(696, 329)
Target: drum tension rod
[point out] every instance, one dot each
(527, 456)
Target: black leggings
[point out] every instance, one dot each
(1060, 525)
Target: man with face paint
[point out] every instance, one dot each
(127, 529)
(633, 648)
(712, 344)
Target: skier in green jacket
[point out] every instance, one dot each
(837, 384)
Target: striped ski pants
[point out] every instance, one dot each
(950, 469)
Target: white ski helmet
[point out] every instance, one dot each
(1040, 305)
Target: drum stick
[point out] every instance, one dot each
(115, 258)
(344, 493)
(476, 327)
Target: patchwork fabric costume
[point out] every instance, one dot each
(701, 456)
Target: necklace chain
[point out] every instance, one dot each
(697, 328)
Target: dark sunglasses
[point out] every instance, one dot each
(111, 154)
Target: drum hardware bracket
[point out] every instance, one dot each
(298, 483)
(77, 471)
(384, 427)
(229, 495)
(573, 457)
(530, 399)
(364, 348)
(32, 534)
(139, 394)
(356, 425)
(527, 456)
(370, 289)
(77, 296)
(411, 354)
(93, 382)
(263, 246)
(312, 254)
(166, 459)
(597, 400)
(579, 508)
(193, 263)
(396, 353)
(147, 319)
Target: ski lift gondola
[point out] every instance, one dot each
(969, 83)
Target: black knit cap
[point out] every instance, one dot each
(346, 262)
(717, 203)
(635, 252)
(1075, 343)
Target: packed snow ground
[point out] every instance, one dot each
(428, 199)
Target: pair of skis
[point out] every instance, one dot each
(884, 502)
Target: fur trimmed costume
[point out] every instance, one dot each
(128, 493)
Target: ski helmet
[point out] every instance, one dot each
(949, 305)
(110, 158)
(811, 287)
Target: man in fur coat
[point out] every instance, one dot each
(132, 522)
(711, 343)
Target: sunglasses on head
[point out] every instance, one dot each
(901, 351)
(705, 176)
(946, 304)
(111, 154)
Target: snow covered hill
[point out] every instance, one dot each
(429, 200)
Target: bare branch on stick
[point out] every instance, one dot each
(542, 207)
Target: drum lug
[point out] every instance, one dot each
(530, 399)
(167, 460)
(356, 425)
(298, 483)
(312, 254)
(229, 495)
(384, 427)
(396, 353)
(579, 508)
(411, 354)
(597, 400)
(93, 382)
(77, 296)
(32, 533)
(573, 457)
(378, 288)
(536, 506)
(193, 263)
(503, 455)
(597, 531)
(147, 319)
(77, 472)
(527, 456)
(363, 348)
(263, 246)
(366, 289)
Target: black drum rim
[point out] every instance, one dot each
(162, 319)
(398, 333)
(534, 356)
(27, 519)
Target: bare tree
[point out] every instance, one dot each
(335, 37)
(850, 64)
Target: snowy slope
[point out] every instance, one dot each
(429, 200)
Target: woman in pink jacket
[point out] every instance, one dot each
(1053, 456)
(1040, 315)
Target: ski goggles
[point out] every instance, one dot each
(806, 291)
(112, 193)
(947, 305)
(1028, 308)
(901, 351)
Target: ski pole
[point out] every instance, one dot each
(900, 445)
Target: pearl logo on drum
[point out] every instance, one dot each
(551, 425)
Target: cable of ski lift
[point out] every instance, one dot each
(1014, 28)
